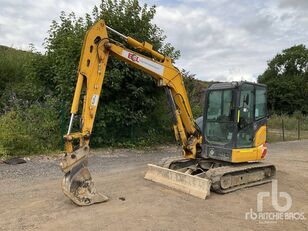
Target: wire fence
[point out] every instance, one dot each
(283, 128)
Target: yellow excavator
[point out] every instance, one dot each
(221, 151)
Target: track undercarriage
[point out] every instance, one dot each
(224, 177)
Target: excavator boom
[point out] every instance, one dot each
(77, 183)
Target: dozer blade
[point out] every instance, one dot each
(191, 184)
(77, 183)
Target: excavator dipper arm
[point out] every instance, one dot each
(77, 183)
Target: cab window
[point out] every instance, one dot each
(260, 110)
(219, 118)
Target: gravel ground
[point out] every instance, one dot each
(31, 198)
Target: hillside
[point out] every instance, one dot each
(12, 73)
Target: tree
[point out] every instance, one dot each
(287, 79)
(130, 100)
(195, 91)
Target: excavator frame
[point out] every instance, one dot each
(185, 173)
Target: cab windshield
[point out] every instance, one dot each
(219, 117)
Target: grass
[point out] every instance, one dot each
(275, 133)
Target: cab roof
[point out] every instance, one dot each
(235, 84)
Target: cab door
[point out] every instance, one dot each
(245, 134)
(252, 114)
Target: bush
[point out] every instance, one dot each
(290, 122)
(31, 131)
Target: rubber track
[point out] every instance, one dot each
(215, 174)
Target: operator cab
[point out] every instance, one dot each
(233, 114)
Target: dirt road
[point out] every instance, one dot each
(31, 198)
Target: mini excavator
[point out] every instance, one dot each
(222, 151)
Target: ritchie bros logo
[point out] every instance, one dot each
(281, 211)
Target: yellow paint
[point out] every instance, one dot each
(91, 71)
(244, 155)
(260, 136)
(238, 116)
(146, 47)
(251, 154)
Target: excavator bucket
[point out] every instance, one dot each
(192, 184)
(77, 183)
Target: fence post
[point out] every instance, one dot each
(282, 124)
(298, 129)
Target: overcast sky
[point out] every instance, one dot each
(219, 40)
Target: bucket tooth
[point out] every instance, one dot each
(190, 184)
